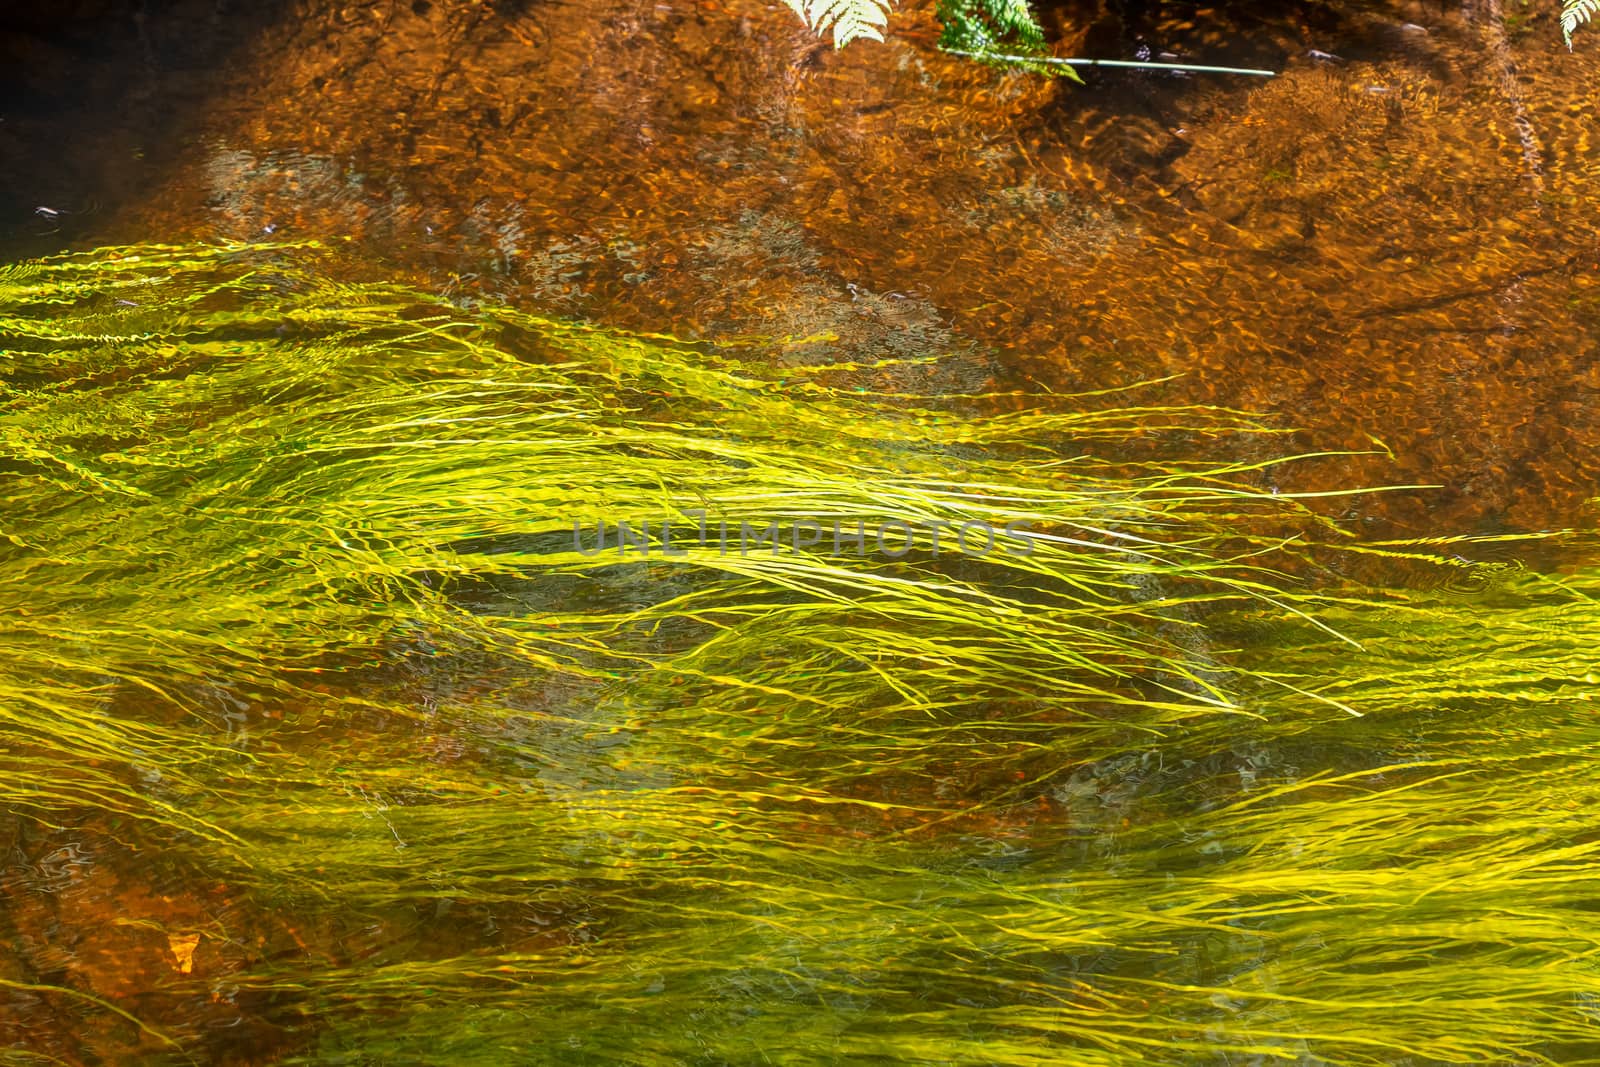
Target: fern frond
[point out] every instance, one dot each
(1575, 13)
(1004, 33)
(990, 26)
(846, 19)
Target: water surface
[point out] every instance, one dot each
(1391, 245)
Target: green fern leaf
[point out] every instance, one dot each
(1001, 32)
(1575, 13)
(991, 26)
(846, 19)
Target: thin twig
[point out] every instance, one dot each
(1129, 63)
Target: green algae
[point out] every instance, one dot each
(293, 596)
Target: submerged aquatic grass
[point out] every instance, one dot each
(292, 595)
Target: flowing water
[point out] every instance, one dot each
(1390, 247)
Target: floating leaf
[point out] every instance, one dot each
(182, 947)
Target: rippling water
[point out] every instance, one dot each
(1360, 246)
